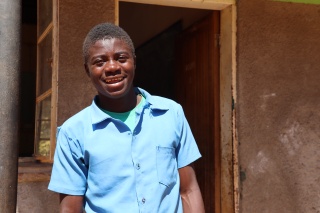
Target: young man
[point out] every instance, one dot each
(129, 151)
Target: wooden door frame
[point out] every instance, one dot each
(229, 173)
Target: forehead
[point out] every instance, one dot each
(109, 44)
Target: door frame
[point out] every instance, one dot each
(229, 173)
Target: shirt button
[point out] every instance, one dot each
(143, 200)
(138, 166)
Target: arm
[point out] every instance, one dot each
(190, 192)
(71, 203)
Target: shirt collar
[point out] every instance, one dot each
(152, 101)
(97, 115)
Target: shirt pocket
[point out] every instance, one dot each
(166, 166)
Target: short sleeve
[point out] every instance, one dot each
(69, 172)
(187, 150)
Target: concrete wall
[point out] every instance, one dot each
(278, 116)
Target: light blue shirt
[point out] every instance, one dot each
(119, 170)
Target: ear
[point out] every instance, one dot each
(87, 69)
(135, 61)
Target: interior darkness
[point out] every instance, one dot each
(154, 30)
(29, 12)
(155, 63)
(28, 77)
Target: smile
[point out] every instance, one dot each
(113, 80)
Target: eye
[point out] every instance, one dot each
(99, 63)
(122, 58)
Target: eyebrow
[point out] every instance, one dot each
(116, 53)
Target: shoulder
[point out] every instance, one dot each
(161, 103)
(169, 109)
(77, 123)
(81, 116)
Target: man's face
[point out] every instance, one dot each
(111, 67)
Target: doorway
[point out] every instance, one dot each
(197, 89)
(180, 53)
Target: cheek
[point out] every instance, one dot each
(95, 72)
(132, 75)
(132, 70)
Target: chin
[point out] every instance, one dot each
(116, 94)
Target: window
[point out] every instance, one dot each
(42, 147)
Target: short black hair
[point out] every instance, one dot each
(105, 31)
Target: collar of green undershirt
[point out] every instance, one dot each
(129, 118)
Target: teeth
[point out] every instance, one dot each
(113, 80)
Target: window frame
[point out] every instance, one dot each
(51, 92)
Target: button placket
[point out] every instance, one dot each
(138, 170)
(137, 166)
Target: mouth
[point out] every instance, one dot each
(114, 80)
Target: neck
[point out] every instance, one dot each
(123, 104)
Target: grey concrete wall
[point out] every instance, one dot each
(278, 116)
(10, 41)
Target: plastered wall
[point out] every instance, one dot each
(278, 116)
(34, 197)
(76, 18)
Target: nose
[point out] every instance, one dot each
(112, 66)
